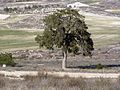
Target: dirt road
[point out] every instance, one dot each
(18, 74)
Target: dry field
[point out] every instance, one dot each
(46, 82)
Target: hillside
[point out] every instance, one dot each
(34, 68)
(27, 16)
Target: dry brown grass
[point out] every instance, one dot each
(2, 81)
(45, 82)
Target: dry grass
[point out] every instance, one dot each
(45, 82)
(2, 81)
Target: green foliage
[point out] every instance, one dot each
(99, 66)
(6, 9)
(6, 59)
(66, 29)
(9, 10)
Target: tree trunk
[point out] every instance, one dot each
(64, 63)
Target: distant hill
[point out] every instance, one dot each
(108, 4)
(6, 1)
(85, 1)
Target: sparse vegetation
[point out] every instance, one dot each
(59, 83)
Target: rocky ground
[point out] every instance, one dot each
(51, 60)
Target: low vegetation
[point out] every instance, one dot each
(44, 82)
(17, 39)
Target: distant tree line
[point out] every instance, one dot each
(7, 1)
(29, 8)
(18, 9)
(24, 0)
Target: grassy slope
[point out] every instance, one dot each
(11, 39)
(105, 30)
(16, 39)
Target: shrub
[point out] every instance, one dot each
(99, 66)
(6, 58)
(34, 6)
(6, 9)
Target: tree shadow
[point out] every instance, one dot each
(98, 66)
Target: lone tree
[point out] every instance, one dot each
(66, 29)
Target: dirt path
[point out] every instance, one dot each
(3, 16)
(18, 74)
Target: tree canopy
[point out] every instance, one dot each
(66, 29)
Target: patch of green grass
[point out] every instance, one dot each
(13, 39)
(105, 30)
(16, 32)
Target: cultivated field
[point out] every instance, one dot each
(105, 31)
(17, 39)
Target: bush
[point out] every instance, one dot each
(99, 66)
(6, 58)
(6, 9)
